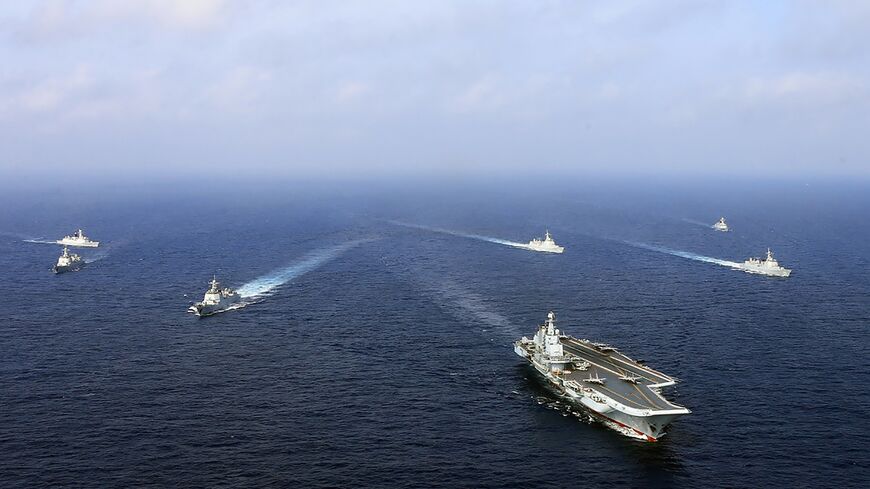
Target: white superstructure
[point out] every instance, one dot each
(720, 225)
(78, 238)
(768, 266)
(546, 245)
(216, 299)
(67, 262)
(621, 392)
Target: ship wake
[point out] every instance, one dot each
(263, 286)
(479, 237)
(685, 254)
(40, 241)
(96, 256)
(468, 305)
(697, 223)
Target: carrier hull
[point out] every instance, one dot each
(620, 392)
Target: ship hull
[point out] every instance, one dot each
(57, 269)
(645, 428)
(769, 273)
(80, 244)
(203, 310)
(543, 250)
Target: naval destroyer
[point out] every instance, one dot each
(623, 393)
(216, 299)
(78, 238)
(546, 245)
(768, 266)
(720, 225)
(68, 262)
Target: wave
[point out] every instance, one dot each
(684, 254)
(264, 285)
(480, 237)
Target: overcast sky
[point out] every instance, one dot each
(330, 88)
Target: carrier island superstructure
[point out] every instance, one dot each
(623, 393)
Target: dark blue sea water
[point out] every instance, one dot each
(380, 355)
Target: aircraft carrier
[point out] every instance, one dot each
(622, 393)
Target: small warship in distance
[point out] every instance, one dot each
(546, 245)
(720, 225)
(216, 299)
(68, 262)
(768, 266)
(623, 393)
(78, 238)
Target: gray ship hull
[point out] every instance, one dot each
(67, 268)
(646, 428)
(622, 393)
(203, 310)
(782, 272)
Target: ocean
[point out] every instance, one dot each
(376, 349)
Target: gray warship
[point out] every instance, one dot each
(546, 245)
(768, 266)
(720, 225)
(216, 299)
(78, 238)
(68, 262)
(622, 393)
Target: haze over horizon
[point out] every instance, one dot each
(140, 88)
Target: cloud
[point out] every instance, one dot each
(50, 94)
(446, 79)
(481, 95)
(814, 88)
(239, 90)
(51, 20)
(350, 91)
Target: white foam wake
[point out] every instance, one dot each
(685, 254)
(699, 223)
(40, 241)
(96, 256)
(467, 306)
(267, 283)
(488, 239)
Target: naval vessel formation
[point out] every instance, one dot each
(625, 394)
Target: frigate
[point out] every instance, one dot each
(546, 245)
(78, 238)
(216, 299)
(622, 393)
(68, 262)
(768, 266)
(720, 225)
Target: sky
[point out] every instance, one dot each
(389, 88)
